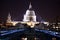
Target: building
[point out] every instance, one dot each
(29, 16)
(29, 19)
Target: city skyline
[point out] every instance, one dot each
(48, 9)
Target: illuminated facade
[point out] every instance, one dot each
(9, 21)
(29, 18)
(30, 14)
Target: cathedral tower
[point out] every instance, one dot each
(9, 18)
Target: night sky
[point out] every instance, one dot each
(45, 9)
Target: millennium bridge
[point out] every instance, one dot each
(30, 33)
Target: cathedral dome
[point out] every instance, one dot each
(30, 14)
